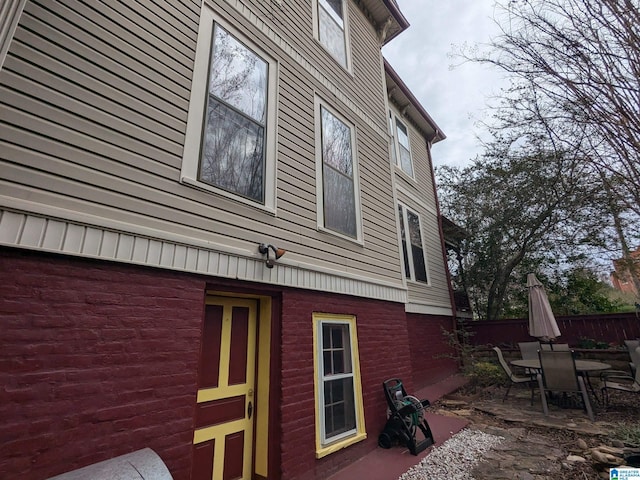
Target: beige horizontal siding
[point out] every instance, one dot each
(293, 19)
(94, 100)
(422, 166)
(63, 42)
(419, 196)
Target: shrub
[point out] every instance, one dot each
(485, 374)
(590, 343)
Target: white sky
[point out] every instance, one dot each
(455, 98)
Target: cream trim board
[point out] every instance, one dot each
(405, 221)
(345, 31)
(10, 12)
(127, 243)
(396, 118)
(424, 309)
(415, 200)
(197, 105)
(319, 104)
(325, 447)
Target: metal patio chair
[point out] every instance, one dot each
(514, 379)
(560, 347)
(632, 344)
(559, 375)
(634, 353)
(529, 350)
(625, 383)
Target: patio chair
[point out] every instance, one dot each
(632, 344)
(625, 383)
(559, 376)
(560, 347)
(634, 353)
(529, 350)
(514, 379)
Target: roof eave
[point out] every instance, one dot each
(386, 17)
(411, 106)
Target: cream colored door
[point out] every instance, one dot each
(223, 439)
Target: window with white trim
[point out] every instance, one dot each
(413, 251)
(331, 28)
(401, 149)
(340, 414)
(337, 172)
(230, 141)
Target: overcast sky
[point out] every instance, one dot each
(455, 98)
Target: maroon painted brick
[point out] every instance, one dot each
(106, 356)
(98, 359)
(430, 353)
(378, 325)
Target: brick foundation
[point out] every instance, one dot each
(99, 359)
(96, 360)
(384, 353)
(431, 355)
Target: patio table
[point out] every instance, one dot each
(583, 367)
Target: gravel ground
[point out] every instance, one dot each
(455, 458)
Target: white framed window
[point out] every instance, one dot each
(330, 28)
(401, 148)
(413, 251)
(230, 143)
(338, 195)
(338, 388)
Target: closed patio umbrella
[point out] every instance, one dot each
(542, 322)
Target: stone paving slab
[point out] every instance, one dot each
(574, 420)
(521, 455)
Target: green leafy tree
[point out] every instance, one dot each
(575, 70)
(580, 291)
(521, 209)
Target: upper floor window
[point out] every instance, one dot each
(331, 28)
(401, 150)
(339, 411)
(337, 185)
(231, 116)
(415, 264)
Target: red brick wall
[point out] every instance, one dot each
(96, 360)
(430, 352)
(384, 353)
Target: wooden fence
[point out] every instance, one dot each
(575, 330)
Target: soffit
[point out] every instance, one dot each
(409, 105)
(385, 14)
